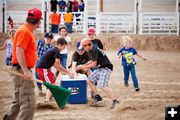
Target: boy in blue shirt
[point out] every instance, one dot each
(128, 62)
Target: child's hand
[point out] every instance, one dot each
(144, 59)
(119, 56)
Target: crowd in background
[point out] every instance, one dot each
(70, 5)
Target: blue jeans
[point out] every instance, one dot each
(63, 59)
(54, 28)
(8, 61)
(69, 27)
(62, 10)
(131, 69)
(93, 69)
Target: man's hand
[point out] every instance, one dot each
(79, 67)
(71, 75)
(27, 75)
(144, 59)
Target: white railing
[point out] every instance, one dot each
(122, 23)
(19, 17)
(1, 21)
(116, 23)
(159, 23)
(81, 21)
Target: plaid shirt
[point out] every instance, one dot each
(42, 47)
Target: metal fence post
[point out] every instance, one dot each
(98, 17)
(43, 16)
(177, 16)
(85, 19)
(3, 17)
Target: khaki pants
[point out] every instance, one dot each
(24, 101)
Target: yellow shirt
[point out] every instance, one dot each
(68, 17)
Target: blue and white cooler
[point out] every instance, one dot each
(78, 87)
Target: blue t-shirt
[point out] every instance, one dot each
(62, 3)
(81, 7)
(127, 56)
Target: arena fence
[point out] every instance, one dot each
(159, 23)
(133, 22)
(115, 23)
(123, 23)
(19, 18)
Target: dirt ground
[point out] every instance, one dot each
(159, 81)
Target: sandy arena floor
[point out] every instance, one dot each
(159, 80)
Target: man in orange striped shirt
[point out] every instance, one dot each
(55, 21)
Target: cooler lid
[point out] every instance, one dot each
(78, 77)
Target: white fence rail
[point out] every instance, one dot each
(19, 17)
(116, 23)
(159, 23)
(78, 21)
(81, 21)
(122, 23)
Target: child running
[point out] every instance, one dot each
(128, 62)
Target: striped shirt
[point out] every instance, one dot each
(42, 48)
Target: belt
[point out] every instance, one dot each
(18, 67)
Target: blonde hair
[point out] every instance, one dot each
(127, 39)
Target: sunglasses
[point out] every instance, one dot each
(89, 44)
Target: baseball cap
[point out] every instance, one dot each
(78, 46)
(35, 14)
(85, 42)
(91, 31)
(48, 35)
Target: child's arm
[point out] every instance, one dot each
(74, 67)
(141, 56)
(119, 54)
(4, 45)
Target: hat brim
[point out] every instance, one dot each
(91, 33)
(80, 48)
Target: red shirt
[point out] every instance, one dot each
(75, 6)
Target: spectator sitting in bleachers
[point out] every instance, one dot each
(53, 4)
(81, 6)
(69, 5)
(62, 6)
(75, 6)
